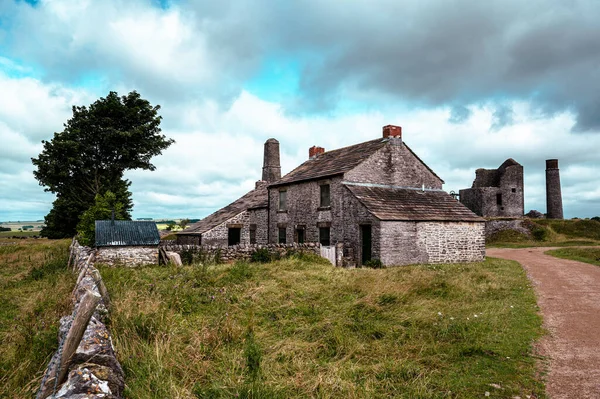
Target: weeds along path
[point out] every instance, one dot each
(569, 298)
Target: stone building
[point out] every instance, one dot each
(373, 200)
(379, 200)
(126, 242)
(244, 221)
(496, 192)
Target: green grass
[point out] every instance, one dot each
(587, 255)
(5, 234)
(35, 288)
(301, 328)
(549, 233)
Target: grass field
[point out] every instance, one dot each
(4, 234)
(300, 328)
(588, 255)
(549, 233)
(35, 287)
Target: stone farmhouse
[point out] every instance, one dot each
(373, 200)
(496, 192)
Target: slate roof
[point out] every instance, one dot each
(404, 204)
(257, 198)
(111, 233)
(336, 162)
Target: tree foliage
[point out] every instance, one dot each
(89, 157)
(102, 209)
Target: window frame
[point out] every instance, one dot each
(282, 239)
(322, 238)
(282, 196)
(322, 188)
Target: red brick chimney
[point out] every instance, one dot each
(392, 131)
(314, 151)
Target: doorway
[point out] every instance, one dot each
(365, 237)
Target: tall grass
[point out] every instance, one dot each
(35, 288)
(297, 328)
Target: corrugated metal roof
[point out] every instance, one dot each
(110, 233)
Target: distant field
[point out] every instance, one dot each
(18, 233)
(15, 226)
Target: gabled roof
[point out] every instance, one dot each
(338, 161)
(332, 163)
(257, 198)
(409, 204)
(111, 233)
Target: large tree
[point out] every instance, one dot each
(89, 157)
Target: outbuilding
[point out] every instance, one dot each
(126, 242)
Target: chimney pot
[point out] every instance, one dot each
(392, 131)
(314, 151)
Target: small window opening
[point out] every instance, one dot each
(324, 236)
(252, 234)
(283, 200)
(514, 190)
(282, 235)
(325, 197)
(234, 234)
(499, 199)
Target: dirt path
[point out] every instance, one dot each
(569, 297)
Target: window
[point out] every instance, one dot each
(283, 200)
(300, 236)
(282, 233)
(324, 236)
(252, 234)
(325, 198)
(514, 190)
(499, 199)
(234, 235)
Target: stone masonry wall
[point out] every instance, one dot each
(450, 242)
(395, 165)
(355, 215)
(127, 256)
(93, 370)
(399, 244)
(496, 225)
(218, 235)
(303, 200)
(240, 252)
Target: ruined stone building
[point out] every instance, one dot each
(496, 192)
(376, 200)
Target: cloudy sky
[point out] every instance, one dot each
(472, 83)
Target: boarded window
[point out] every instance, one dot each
(325, 198)
(324, 236)
(283, 200)
(252, 234)
(282, 235)
(499, 199)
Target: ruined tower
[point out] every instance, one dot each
(271, 166)
(554, 208)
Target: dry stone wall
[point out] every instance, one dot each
(452, 242)
(211, 253)
(127, 256)
(93, 370)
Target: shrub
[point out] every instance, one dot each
(374, 264)
(540, 234)
(261, 255)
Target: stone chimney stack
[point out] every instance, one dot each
(554, 208)
(271, 165)
(314, 151)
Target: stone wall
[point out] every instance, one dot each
(355, 215)
(493, 226)
(452, 242)
(395, 165)
(404, 243)
(304, 211)
(93, 370)
(127, 256)
(211, 253)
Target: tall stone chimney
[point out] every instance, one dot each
(554, 208)
(271, 165)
